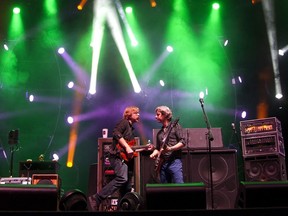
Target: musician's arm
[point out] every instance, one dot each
(175, 147)
(180, 138)
(125, 145)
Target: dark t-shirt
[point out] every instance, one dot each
(122, 129)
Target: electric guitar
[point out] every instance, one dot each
(136, 149)
(159, 160)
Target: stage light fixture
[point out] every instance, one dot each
(283, 50)
(31, 98)
(6, 47)
(70, 119)
(278, 96)
(16, 10)
(239, 79)
(61, 50)
(128, 10)
(255, 1)
(169, 49)
(73, 200)
(70, 84)
(55, 157)
(81, 4)
(201, 95)
(215, 6)
(243, 114)
(153, 3)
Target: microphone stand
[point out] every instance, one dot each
(209, 138)
(240, 152)
(12, 141)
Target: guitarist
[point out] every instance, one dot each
(123, 133)
(169, 152)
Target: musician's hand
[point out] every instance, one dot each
(129, 152)
(154, 155)
(150, 147)
(167, 149)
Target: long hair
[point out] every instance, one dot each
(129, 111)
(164, 110)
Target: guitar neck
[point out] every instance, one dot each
(138, 147)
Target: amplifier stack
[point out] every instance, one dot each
(263, 150)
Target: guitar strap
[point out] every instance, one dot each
(166, 135)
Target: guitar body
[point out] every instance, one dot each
(123, 153)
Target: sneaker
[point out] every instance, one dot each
(92, 204)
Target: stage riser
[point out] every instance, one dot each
(28, 198)
(186, 196)
(92, 181)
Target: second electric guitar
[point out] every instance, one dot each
(159, 160)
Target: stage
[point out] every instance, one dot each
(228, 212)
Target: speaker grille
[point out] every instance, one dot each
(224, 176)
(219, 169)
(45, 179)
(265, 168)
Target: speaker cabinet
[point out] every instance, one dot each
(18, 197)
(197, 138)
(28, 168)
(221, 194)
(265, 168)
(45, 179)
(147, 173)
(175, 196)
(92, 181)
(262, 194)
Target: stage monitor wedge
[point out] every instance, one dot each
(19, 197)
(175, 196)
(262, 194)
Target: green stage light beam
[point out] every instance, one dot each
(104, 10)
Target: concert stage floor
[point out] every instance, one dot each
(222, 212)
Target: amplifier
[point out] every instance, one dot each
(45, 179)
(260, 126)
(266, 144)
(28, 168)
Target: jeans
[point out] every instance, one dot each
(171, 172)
(122, 180)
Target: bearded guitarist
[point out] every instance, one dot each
(169, 143)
